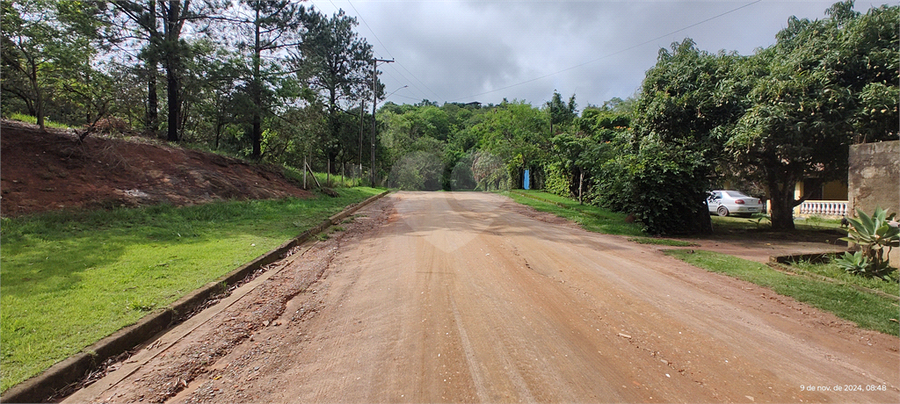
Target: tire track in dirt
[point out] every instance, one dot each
(460, 297)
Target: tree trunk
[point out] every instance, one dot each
(255, 89)
(173, 69)
(218, 134)
(256, 136)
(781, 194)
(152, 116)
(702, 220)
(38, 97)
(174, 102)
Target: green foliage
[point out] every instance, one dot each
(417, 171)
(489, 172)
(557, 182)
(560, 112)
(461, 176)
(857, 264)
(335, 63)
(688, 100)
(268, 28)
(47, 53)
(32, 120)
(665, 191)
(875, 236)
(517, 134)
(824, 85)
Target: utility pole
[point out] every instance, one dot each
(362, 114)
(375, 102)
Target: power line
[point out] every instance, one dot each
(388, 52)
(614, 53)
(358, 14)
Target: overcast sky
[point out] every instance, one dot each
(487, 50)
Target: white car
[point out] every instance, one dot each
(727, 202)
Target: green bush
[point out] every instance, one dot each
(417, 171)
(557, 182)
(663, 186)
(462, 178)
(874, 237)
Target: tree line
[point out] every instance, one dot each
(266, 79)
(282, 83)
(763, 122)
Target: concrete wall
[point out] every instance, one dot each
(874, 180)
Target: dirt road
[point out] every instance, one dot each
(468, 297)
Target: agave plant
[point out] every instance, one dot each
(875, 236)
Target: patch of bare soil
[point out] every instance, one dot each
(51, 170)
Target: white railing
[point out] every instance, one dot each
(823, 208)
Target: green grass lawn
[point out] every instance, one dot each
(833, 271)
(868, 310)
(72, 278)
(592, 218)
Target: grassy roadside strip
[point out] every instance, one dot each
(589, 217)
(72, 278)
(868, 310)
(826, 272)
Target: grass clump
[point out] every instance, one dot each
(33, 120)
(72, 278)
(333, 181)
(591, 218)
(868, 310)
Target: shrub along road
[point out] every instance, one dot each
(465, 297)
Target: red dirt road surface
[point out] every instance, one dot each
(469, 297)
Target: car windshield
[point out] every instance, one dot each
(736, 194)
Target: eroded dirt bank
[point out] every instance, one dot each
(51, 170)
(468, 297)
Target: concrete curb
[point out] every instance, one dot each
(815, 258)
(71, 370)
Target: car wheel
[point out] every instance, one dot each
(722, 211)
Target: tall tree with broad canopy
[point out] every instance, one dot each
(824, 85)
(688, 101)
(161, 23)
(335, 62)
(266, 28)
(43, 44)
(138, 20)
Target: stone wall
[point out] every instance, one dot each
(874, 180)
